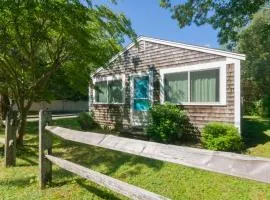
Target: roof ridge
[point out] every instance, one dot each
(141, 37)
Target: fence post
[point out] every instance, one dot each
(10, 138)
(45, 144)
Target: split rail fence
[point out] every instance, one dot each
(46, 159)
(249, 167)
(9, 141)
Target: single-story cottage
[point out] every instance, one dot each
(205, 81)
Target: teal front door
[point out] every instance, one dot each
(140, 99)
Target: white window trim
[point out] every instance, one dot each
(221, 65)
(107, 79)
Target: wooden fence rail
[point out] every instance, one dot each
(125, 189)
(46, 159)
(254, 168)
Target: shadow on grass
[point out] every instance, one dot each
(110, 161)
(96, 191)
(28, 153)
(32, 128)
(66, 177)
(105, 161)
(253, 131)
(18, 182)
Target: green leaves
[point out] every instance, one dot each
(254, 41)
(228, 17)
(167, 123)
(221, 137)
(39, 37)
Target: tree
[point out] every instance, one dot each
(226, 16)
(39, 37)
(71, 88)
(4, 104)
(254, 41)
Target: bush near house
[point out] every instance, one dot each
(167, 123)
(221, 137)
(86, 121)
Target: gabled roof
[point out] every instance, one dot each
(184, 46)
(181, 45)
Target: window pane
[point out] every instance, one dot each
(204, 86)
(176, 87)
(141, 87)
(141, 104)
(115, 90)
(101, 96)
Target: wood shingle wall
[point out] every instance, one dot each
(155, 57)
(201, 115)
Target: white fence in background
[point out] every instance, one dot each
(60, 106)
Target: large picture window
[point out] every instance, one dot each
(192, 86)
(204, 86)
(110, 92)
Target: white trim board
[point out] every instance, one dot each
(237, 93)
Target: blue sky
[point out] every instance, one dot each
(148, 19)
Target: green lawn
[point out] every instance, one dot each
(170, 180)
(256, 132)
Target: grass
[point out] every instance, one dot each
(256, 132)
(170, 180)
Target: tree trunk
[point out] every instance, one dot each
(4, 105)
(21, 127)
(23, 110)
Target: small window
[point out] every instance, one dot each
(101, 95)
(109, 92)
(176, 87)
(204, 86)
(115, 91)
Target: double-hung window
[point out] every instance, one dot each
(109, 91)
(194, 86)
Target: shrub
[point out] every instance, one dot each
(167, 123)
(221, 137)
(86, 121)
